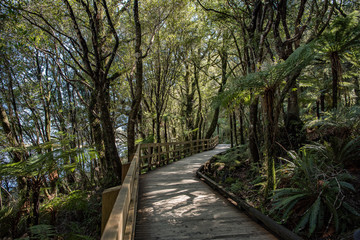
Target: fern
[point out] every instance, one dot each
(317, 191)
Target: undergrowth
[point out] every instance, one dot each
(75, 216)
(317, 196)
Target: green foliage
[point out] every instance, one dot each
(343, 34)
(148, 139)
(316, 198)
(273, 75)
(74, 201)
(230, 180)
(237, 187)
(7, 215)
(77, 214)
(345, 117)
(42, 232)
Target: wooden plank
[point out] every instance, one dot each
(173, 204)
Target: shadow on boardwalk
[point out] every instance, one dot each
(174, 204)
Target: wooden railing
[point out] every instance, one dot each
(119, 204)
(155, 155)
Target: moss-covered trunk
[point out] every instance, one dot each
(270, 136)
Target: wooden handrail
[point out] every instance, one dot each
(155, 155)
(119, 204)
(120, 222)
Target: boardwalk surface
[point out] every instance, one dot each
(174, 204)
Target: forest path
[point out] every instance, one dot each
(175, 204)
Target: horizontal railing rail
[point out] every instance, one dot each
(119, 204)
(154, 155)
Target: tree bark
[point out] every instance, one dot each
(336, 71)
(242, 139)
(214, 121)
(322, 101)
(270, 136)
(253, 139)
(234, 128)
(231, 130)
(111, 153)
(139, 84)
(96, 131)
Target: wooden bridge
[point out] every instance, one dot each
(170, 202)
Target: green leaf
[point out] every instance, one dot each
(304, 220)
(347, 185)
(314, 212)
(351, 209)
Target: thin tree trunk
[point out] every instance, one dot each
(318, 109)
(199, 119)
(231, 130)
(235, 129)
(322, 101)
(253, 145)
(336, 71)
(165, 131)
(242, 139)
(158, 128)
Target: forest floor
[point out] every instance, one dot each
(236, 173)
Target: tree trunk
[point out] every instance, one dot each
(224, 57)
(253, 144)
(336, 71)
(213, 124)
(293, 123)
(158, 128)
(200, 126)
(322, 101)
(111, 154)
(165, 131)
(189, 103)
(199, 119)
(36, 200)
(242, 139)
(270, 136)
(139, 84)
(235, 129)
(231, 130)
(318, 109)
(96, 131)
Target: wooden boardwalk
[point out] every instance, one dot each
(174, 204)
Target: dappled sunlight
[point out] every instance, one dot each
(172, 197)
(156, 192)
(182, 182)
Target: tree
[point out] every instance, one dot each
(91, 57)
(137, 95)
(342, 36)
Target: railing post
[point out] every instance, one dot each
(158, 156)
(150, 149)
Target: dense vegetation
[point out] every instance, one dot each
(82, 82)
